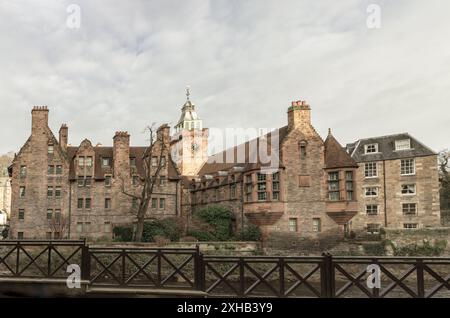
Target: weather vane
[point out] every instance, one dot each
(188, 91)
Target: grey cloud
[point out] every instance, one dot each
(128, 64)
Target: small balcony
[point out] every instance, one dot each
(341, 211)
(263, 213)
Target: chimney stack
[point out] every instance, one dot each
(121, 154)
(63, 136)
(39, 119)
(163, 133)
(299, 115)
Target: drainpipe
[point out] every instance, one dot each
(242, 205)
(385, 200)
(176, 198)
(70, 206)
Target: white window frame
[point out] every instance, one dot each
(374, 232)
(371, 205)
(406, 185)
(371, 196)
(291, 225)
(416, 209)
(366, 147)
(376, 170)
(413, 167)
(401, 144)
(410, 226)
(317, 225)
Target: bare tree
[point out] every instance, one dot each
(157, 149)
(444, 166)
(59, 225)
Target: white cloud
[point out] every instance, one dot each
(246, 60)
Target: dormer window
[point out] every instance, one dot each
(106, 162)
(88, 161)
(371, 148)
(404, 144)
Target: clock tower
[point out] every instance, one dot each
(190, 141)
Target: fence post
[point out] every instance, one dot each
(241, 277)
(17, 258)
(281, 278)
(158, 253)
(197, 268)
(420, 278)
(200, 270)
(49, 260)
(85, 263)
(327, 276)
(123, 266)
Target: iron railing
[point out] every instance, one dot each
(39, 258)
(323, 276)
(145, 267)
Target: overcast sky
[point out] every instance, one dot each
(129, 62)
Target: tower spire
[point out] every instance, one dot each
(188, 92)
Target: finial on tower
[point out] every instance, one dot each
(329, 131)
(188, 92)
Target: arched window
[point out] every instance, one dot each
(302, 148)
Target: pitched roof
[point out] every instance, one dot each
(107, 152)
(335, 154)
(386, 148)
(244, 155)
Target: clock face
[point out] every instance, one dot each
(194, 147)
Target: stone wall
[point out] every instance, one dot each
(35, 157)
(402, 238)
(390, 198)
(96, 221)
(5, 183)
(223, 248)
(303, 178)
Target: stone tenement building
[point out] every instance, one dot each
(298, 194)
(62, 191)
(320, 188)
(310, 187)
(5, 186)
(398, 178)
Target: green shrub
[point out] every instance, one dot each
(170, 228)
(421, 250)
(375, 249)
(123, 233)
(251, 233)
(202, 236)
(219, 220)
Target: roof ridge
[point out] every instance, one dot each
(383, 136)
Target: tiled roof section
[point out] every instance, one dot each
(107, 152)
(229, 158)
(335, 154)
(386, 148)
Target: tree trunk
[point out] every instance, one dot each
(140, 220)
(139, 230)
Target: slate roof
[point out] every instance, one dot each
(336, 156)
(107, 152)
(219, 162)
(386, 148)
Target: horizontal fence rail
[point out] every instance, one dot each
(144, 267)
(38, 258)
(181, 269)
